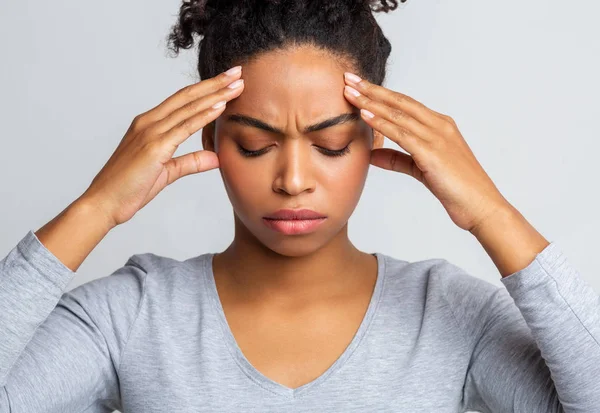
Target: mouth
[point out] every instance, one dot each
(295, 214)
(294, 226)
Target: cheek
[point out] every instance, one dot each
(351, 177)
(345, 185)
(243, 181)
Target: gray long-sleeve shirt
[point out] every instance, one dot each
(152, 337)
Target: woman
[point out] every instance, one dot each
(291, 316)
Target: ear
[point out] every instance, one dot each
(377, 139)
(208, 134)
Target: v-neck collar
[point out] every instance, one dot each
(255, 374)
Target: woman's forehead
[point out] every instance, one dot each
(303, 83)
(296, 66)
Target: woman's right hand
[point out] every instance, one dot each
(142, 165)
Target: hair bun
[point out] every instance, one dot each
(200, 17)
(382, 5)
(194, 19)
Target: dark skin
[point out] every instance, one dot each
(315, 288)
(269, 283)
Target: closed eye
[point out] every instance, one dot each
(328, 152)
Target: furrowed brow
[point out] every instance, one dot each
(257, 123)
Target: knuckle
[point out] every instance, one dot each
(401, 132)
(189, 91)
(197, 106)
(179, 168)
(399, 98)
(221, 81)
(137, 122)
(397, 115)
(449, 125)
(436, 115)
(198, 161)
(184, 125)
(190, 108)
(366, 103)
(449, 119)
(223, 94)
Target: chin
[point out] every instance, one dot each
(297, 245)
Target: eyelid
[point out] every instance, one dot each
(324, 151)
(332, 150)
(320, 147)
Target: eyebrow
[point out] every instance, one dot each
(257, 123)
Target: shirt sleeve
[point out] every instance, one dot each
(537, 348)
(61, 351)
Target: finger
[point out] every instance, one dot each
(393, 160)
(395, 116)
(403, 137)
(394, 99)
(192, 108)
(191, 163)
(190, 93)
(186, 128)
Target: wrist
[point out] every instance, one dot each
(74, 233)
(510, 240)
(498, 219)
(92, 208)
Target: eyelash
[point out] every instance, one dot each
(326, 152)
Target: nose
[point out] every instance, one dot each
(295, 169)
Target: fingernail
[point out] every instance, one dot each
(218, 104)
(234, 71)
(352, 91)
(367, 113)
(352, 77)
(237, 83)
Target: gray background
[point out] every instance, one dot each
(518, 77)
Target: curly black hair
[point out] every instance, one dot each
(236, 31)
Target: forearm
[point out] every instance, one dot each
(561, 309)
(74, 233)
(510, 240)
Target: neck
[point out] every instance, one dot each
(256, 271)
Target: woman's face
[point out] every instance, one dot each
(289, 91)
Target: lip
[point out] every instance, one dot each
(294, 221)
(296, 214)
(294, 226)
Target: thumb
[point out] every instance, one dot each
(393, 160)
(191, 163)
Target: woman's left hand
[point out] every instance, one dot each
(438, 155)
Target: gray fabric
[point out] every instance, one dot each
(152, 337)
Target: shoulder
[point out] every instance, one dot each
(168, 270)
(440, 283)
(436, 274)
(144, 279)
(173, 287)
(141, 274)
(119, 292)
